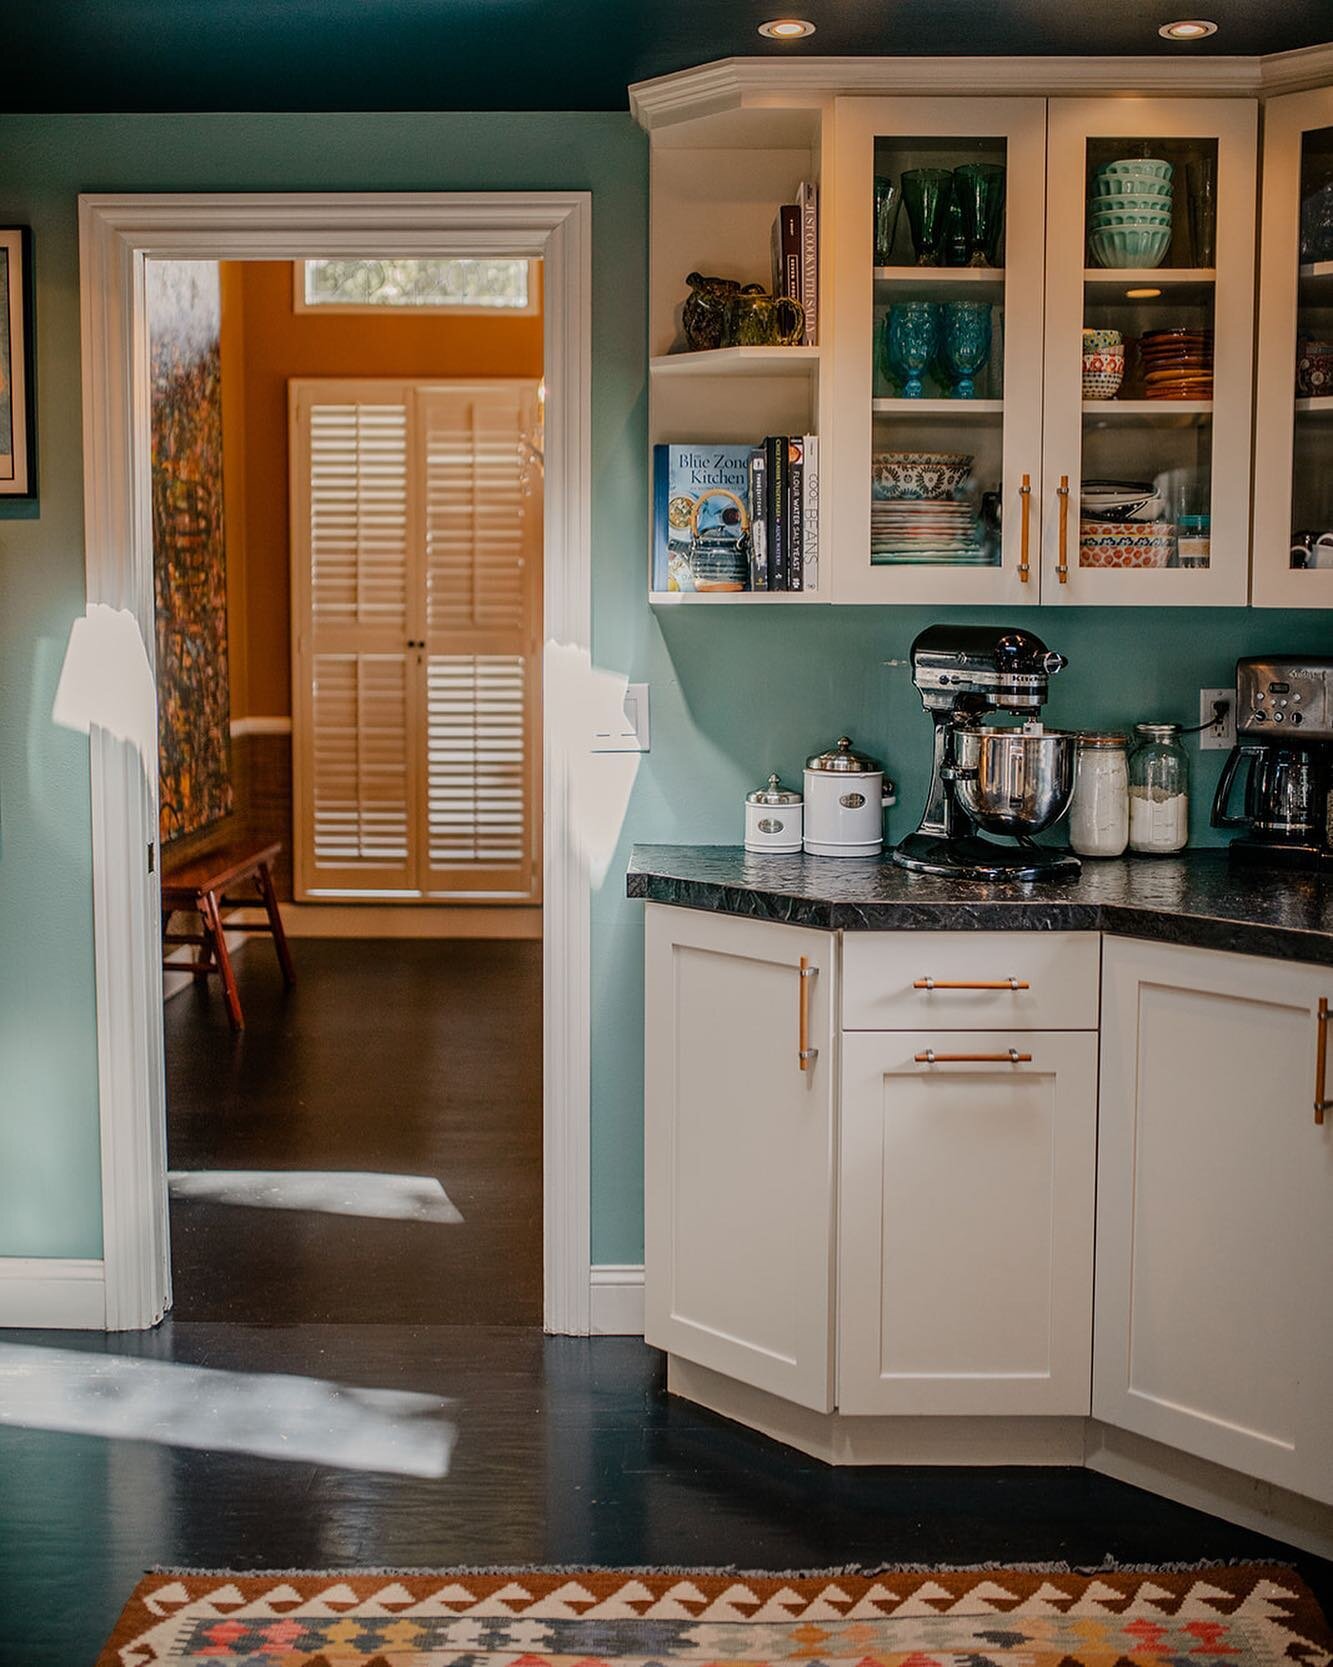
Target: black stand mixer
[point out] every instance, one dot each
(989, 779)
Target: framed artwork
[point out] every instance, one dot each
(18, 426)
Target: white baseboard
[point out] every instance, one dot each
(57, 1292)
(174, 982)
(399, 920)
(617, 1299)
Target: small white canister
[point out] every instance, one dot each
(773, 820)
(845, 799)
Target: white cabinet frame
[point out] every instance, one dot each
(1233, 123)
(1275, 583)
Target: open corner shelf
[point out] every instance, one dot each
(733, 598)
(737, 361)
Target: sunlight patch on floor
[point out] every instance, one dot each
(269, 1414)
(328, 1191)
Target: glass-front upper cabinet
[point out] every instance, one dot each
(1293, 473)
(935, 333)
(1149, 340)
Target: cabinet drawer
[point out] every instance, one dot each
(970, 980)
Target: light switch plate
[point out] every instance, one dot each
(633, 734)
(1221, 735)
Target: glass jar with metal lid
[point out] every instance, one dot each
(773, 819)
(1159, 791)
(1099, 811)
(845, 798)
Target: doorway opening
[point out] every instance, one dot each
(120, 237)
(347, 538)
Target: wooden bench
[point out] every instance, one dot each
(198, 885)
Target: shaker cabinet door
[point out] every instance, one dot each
(966, 1202)
(1214, 1329)
(738, 1148)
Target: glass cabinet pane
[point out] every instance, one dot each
(937, 344)
(1312, 477)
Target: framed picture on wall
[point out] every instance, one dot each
(18, 427)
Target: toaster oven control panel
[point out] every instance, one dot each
(1294, 697)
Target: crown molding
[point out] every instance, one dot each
(735, 83)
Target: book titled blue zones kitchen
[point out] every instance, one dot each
(736, 517)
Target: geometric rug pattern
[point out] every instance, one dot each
(1234, 1616)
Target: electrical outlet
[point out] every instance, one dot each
(1222, 734)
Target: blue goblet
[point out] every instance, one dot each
(965, 344)
(911, 335)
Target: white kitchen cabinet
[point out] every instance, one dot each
(999, 427)
(1293, 455)
(739, 1149)
(1214, 1300)
(966, 1211)
(1196, 451)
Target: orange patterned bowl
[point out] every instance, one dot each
(1124, 544)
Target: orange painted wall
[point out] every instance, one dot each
(270, 341)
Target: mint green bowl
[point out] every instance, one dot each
(1130, 185)
(1122, 246)
(1137, 203)
(1150, 166)
(1130, 219)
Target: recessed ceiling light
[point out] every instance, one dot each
(1141, 294)
(787, 28)
(1188, 29)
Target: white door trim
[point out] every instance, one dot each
(116, 235)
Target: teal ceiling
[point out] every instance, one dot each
(63, 55)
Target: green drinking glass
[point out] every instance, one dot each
(979, 188)
(926, 193)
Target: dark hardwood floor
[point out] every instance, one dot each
(561, 1451)
(413, 1057)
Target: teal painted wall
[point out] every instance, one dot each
(736, 692)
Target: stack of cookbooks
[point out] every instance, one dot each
(796, 256)
(737, 517)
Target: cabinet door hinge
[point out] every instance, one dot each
(152, 856)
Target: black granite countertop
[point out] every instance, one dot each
(1197, 898)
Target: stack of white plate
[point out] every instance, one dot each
(926, 530)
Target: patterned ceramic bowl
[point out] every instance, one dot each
(1136, 167)
(918, 474)
(1126, 246)
(1314, 369)
(1113, 544)
(1103, 383)
(1095, 339)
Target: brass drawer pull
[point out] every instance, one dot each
(1321, 1101)
(1025, 497)
(805, 1054)
(1062, 566)
(971, 984)
(1010, 1057)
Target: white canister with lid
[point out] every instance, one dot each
(773, 821)
(845, 799)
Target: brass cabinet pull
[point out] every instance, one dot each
(971, 984)
(805, 1054)
(1025, 497)
(1011, 1056)
(1321, 1101)
(1062, 566)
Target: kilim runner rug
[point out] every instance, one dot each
(1242, 1615)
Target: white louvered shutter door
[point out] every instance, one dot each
(482, 517)
(355, 594)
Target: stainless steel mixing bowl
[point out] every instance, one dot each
(1010, 782)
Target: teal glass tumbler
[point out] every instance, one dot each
(911, 338)
(979, 188)
(926, 195)
(965, 344)
(888, 203)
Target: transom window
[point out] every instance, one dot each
(453, 285)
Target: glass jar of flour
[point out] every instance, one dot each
(1159, 791)
(1099, 813)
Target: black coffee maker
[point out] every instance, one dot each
(1284, 742)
